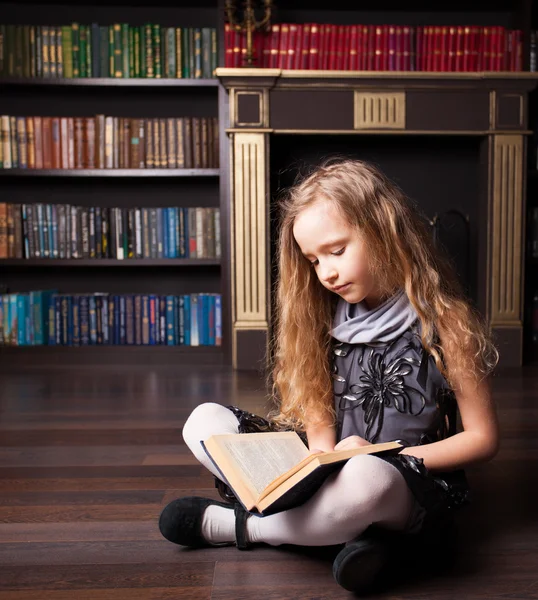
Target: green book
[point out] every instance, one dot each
(206, 53)
(83, 45)
(18, 51)
(104, 67)
(214, 52)
(33, 52)
(125, 50)
(136, 51)
(143, 67)
(75, 41)
(197, 53)
(170, 52)
(67, 50)
(111, 70)
(157, 62)
(26, 51)
(89, 52)
(131, 52)
(59, 52)
(118, 57)
(150, 70)
(185, 35)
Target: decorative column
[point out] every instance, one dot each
(250, 253)
(505, 241)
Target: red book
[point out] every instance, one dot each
(283, 46)
(325, 46)
(499, 52)
(313, 55)
(385, 48)
(236, 47)
(399, 63)
(346, 32)
(64, 143)
(47, 142)
(370, 48)
(289, 55)
(459, 49)
(391, 48)
(274, 45)
(298, 55)
(451, 49)
(228, 48)
(71, 142)
(332, 32)
(378, 46)
(90, 143)
(305, 51)
(56, 147)
(435, 47)
(444, 50)
(38, 137)
(419, 56)
(362, 47)
(354, 47)
(518, 47)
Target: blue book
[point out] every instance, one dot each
(123, 321)
(170, 322)
(160, 233)
(54, 252)
(84, 317)
(92, 303)
(21, 319)
(152, 320)
(145, 320)
(117, 335)
(180, 320)
(106, 333)
(194, 320)
(166, 234)
(51, 334)
(75, 319)
(212, 320)
(218, 320)
(50, 230)
(2, 320)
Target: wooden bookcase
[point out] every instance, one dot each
(168, 97)
(124, 188)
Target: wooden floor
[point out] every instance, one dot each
(89, 457)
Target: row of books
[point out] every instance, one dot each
(53, 319)
(68, 231)
(118, 50)
(106, 142)
(379, 48)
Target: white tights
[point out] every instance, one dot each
(366, 490)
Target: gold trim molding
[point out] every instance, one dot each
(249, 236)
(506, 231)
(379, 110)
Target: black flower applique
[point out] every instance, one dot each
(383, 384)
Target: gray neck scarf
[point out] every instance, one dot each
(356, 324)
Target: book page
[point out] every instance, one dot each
(263, 457)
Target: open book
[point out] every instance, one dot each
(272, 472)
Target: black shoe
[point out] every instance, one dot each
(181, 522)
(358, 565)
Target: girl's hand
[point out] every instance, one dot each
(353, 441)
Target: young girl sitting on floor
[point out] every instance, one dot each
(373, 342)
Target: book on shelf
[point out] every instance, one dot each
(72, 232)
(106, 142)
(465, 48)
(120, 50)
(50, 318)
(274, 471)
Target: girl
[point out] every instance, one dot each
(373, 342)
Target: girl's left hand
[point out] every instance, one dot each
(353, 441)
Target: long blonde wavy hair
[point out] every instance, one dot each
(401, 255)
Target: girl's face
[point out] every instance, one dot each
(336, 252)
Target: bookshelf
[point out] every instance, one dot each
(245, 330)
(123, 188)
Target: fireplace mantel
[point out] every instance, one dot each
(266, 102)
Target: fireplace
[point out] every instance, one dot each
(454, 142)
